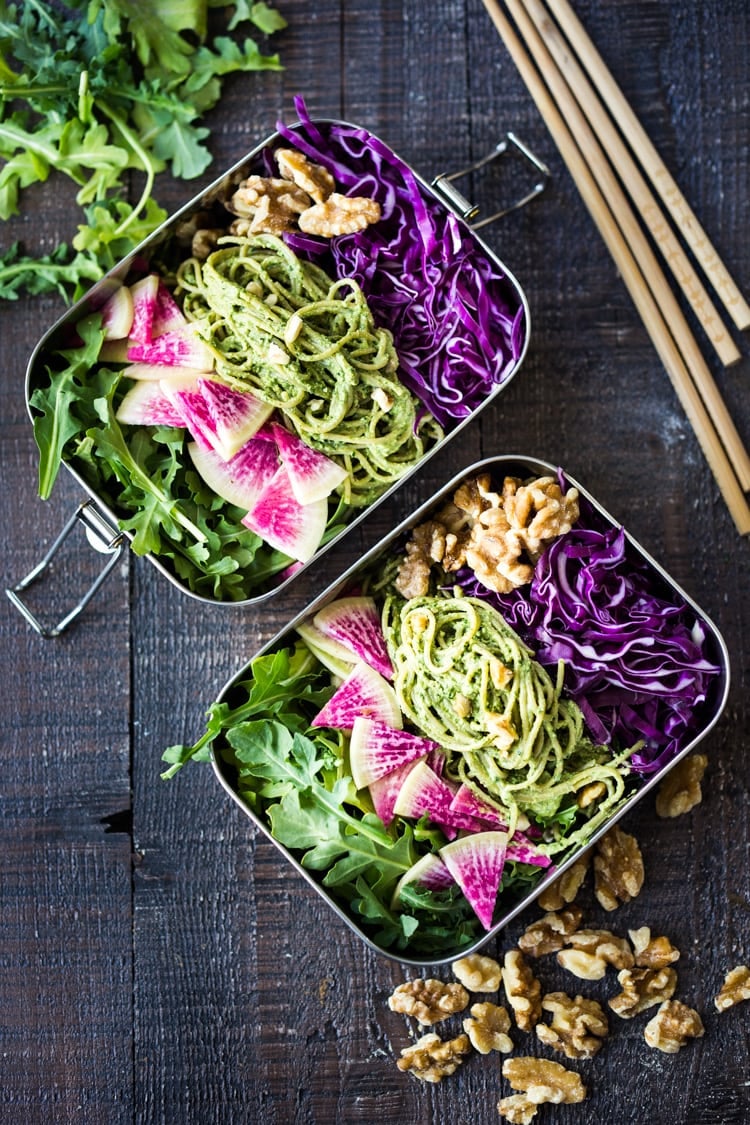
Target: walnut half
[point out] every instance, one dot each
(618, 869)
(478, 973)
(672, 1026)
(680, 791)
(578, 1026)
(642, 989)
(431, 1059)
(339, 214)
(488, 1028)
(522, 989)
(548, 933)
(736, 987)
(429, 1001)
(543, 1081)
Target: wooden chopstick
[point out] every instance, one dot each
(663, 182)
(634, 280)
(637, 188)
(638, 243)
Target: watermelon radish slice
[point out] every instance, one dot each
(376, 749)
(217, 416)
(144, 295)
(240, 480)
(296, 529)
(523, 852)
(363, 692)
(145, 404)
(330, 653)
(117, 314)
(312, 475)
(467, 802)
(476, 862)
(425, 794)
(386, 789)
(168, 315)
(179, 348)
(153, 372)
(355, 622)
(429, 872)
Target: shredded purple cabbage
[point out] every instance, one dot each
(634, 662)
(458, 324)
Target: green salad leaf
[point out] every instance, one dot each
(93, 91)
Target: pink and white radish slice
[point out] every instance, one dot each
(293, 528)
(476, 862)
(363, 692)
(355, 622)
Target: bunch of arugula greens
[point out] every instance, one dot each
(97, 89)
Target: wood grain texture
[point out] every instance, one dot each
(159, 963)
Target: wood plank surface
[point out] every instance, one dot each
(159, 962)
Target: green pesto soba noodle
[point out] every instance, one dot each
(280, 328)
(466, 680)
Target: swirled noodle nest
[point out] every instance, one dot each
(282, 329)
(465, 679)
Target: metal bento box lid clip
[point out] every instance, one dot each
(275, 360)
(467, 710)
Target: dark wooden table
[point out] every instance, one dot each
(158, 962)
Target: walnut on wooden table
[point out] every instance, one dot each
(429, 1001)
(592, 951)
(578, 1026)
(538, 1081)
(548, 933)
(618, 869)
(736, 988)
(522, 989)
(642, 989)
(431, 1059)
(478, 973)
(652, 952)
(488, 1028)
(672, 1026)
(680, 791)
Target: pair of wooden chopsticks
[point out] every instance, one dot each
(572, 105)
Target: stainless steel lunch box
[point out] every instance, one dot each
(523, 467)
(99, 519)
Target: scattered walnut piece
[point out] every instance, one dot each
(488, 1028)
(522, 989)
(652, 953)
(478, 973)
(566, 886)
(642, 989)
(204, 242)
(585, 966)
(680, 791)
(429, 1001)
(430, 1059)
(605, 945)
(577, 1028)
(672, 1026)
(339, 214)
(543, 1081)
(618, 869)
(736, 987)
(313, 179)
(549, 932)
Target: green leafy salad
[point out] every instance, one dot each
(96, 89)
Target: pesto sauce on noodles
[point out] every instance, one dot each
(331, 370)
(465, 679)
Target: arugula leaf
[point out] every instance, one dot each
(59, 271)
(93, 94)
(58, 407)
(265, 18)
